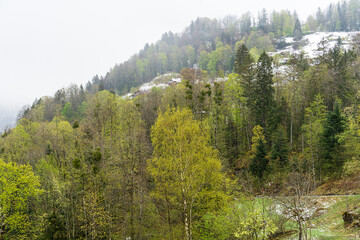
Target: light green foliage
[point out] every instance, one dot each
(235, 102)
(37, 114)
(67, 111)
(103, 117)
(258, 135)
(351, 140)
(242, 219)
(255, 53)
(185, 168)
(315, 116)
(93, 220)
(317, 110)
(220, 225)
(60, 137)
(18, 187)
(216, 62)
(255, 220)
(140, 68)
(258, 43)
(191, 55)
(82, 110)
(311, 24)
(97, 174)
(255, 225)
(234, 97)
(203, 60)
(252, 39)
(125, 168)
(163, 61)
(282, 23)
(264, 43)
(18, 145)
(174, 97)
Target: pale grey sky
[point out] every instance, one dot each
(49, 44)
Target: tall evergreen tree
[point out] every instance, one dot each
(280, 151)
(244, 66)
(263, 21)
(243, 61)
(297, 33)
(259, 163)
(263, 91)
(334, 125)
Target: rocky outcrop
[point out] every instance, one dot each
(352, 218)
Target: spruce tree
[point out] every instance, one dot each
(297, 33)
(334, 125)
(243, 61)
(259, 163)
(244, 67)
(263, 91)
(280, 151)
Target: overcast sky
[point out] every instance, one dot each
(49, 44)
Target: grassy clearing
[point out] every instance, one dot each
(330, 225)
(326, 224)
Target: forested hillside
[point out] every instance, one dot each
(188, 160)
(210, 44)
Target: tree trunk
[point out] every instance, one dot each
(186, 222)
(300, 228)
(291, 124)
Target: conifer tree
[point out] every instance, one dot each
(279, 152)
(334, 125)
(297, 33)
(259, 163)
(243, 61)
(263, 91)
(244, 67)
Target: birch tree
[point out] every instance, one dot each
(185, 168)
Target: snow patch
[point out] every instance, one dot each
(150, 85)
(309, 44)
(178, 80)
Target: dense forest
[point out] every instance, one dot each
(187, 161)
(210, 44)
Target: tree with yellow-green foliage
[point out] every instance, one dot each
(18, 186)
(258, 135)
(185, 168)
(254, 225)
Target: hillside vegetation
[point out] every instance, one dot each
(221, 132)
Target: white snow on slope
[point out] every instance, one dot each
(150, 85)
(162, 82)
(310, 43)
